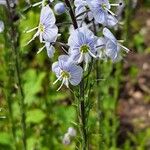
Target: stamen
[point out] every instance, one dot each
(86, 62)
(125, 48)
(28, 31)
(36, 4)
(40, 50)
(115, 5)
(80, 58)
(63, 81)
(57, 80)
(110, 12)
(120, 41)
(67, 82)
(41, 38)
(34, 36)
(92, 54)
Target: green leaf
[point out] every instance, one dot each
(5, 138)
(33, 85)
(35, 116)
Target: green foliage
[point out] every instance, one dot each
(49, 113)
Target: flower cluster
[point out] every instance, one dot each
(83, 45)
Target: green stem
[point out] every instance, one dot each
(17, 68)
(98, 97)
(128, 13)
(81, 88)
(8, 86)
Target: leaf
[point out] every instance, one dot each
(35, 116)
(5, 138)
(33, 85)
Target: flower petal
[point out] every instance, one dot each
(76, 74)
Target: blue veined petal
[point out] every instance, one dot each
(50, 50)
(109, 35)
(73, 39)
(93, 4)
(111, 21)
(111, 50)
(56, 69)
(81, 38)
(63, 61)
(88, 33)
(80, 10)
(47, 16)
(101, 41)
(78, 3)
(76, 73)
(75, 54)
(50, 33)
(100, 16)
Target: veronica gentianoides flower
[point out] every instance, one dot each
(47, 30)
(67, 71)
(109, 46)
(82, 44)
(102, 13)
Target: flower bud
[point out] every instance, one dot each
(60, 8)
(71, 131)
(66, 139)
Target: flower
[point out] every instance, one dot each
(1, 26)
(82, 44)
(101, 12)
(60, 8)
(47, 30)
(109, 46)
(71, 132)
(66, 71)
(66, 139)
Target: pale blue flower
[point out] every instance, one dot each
(67, 71)
(109, 46)
(101, 12)
(60, 8)
(47, 30)
(82, 44)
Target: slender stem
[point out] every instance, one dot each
(71, 14)
(128, 13)
(98, 97)
(8, 86)
(81, 88)
(17, 68)
(99, 107)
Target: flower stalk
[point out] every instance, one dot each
(99, 117)
(82, 116)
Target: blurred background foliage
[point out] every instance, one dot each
(124, 89)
